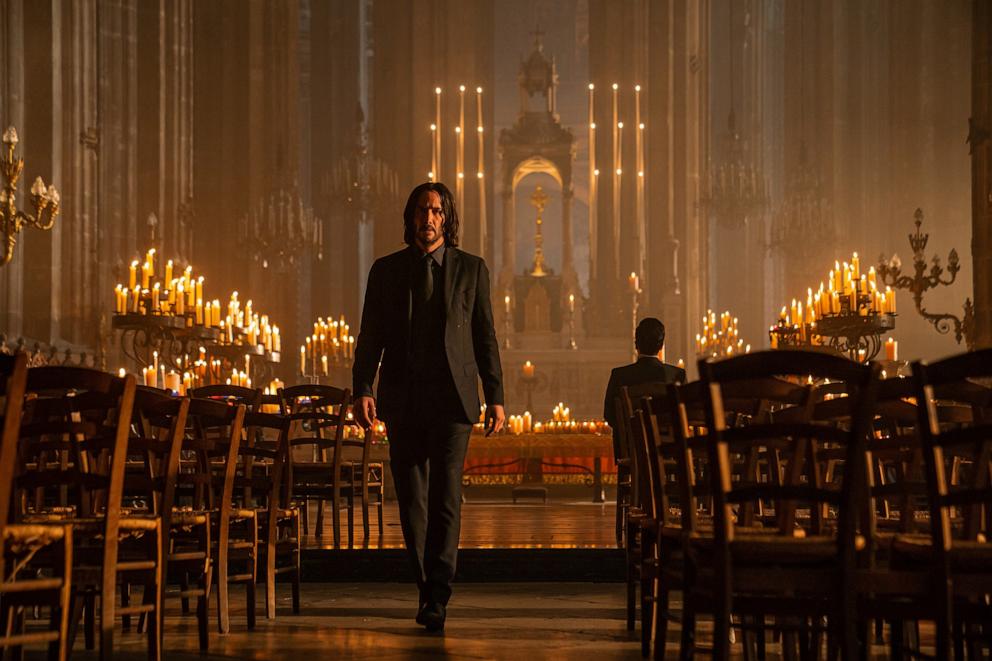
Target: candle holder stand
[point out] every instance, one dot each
(920, 282)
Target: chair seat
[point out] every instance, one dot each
(19, 538)
(965, 556)
(128, 522)
(771, 549)
(186, 518)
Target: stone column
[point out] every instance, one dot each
(12, 113)
(567, 260)
(980, 139)
(509, 266)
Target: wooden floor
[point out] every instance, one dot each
(491, 523)
(375, 620)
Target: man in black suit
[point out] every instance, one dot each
(429, 318)
(649, 338)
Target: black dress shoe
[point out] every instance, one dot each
(420, 613)
(432, 616)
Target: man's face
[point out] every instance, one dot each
(428, 220)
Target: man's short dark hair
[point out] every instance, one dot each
(649, 337)
(450, 228)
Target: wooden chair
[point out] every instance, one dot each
(21, 586)
(249, 397)
(803, 568)
(206, 483)
(637, 514)
(73, 451)
(320, 467)
(264, 486)
(153, 483)
(955, 422)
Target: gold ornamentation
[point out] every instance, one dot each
(44, 199)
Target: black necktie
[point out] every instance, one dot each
(426, 279)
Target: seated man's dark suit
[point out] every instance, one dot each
(647, 369)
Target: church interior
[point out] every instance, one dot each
(194, 193)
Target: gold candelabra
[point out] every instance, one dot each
(720, 340)
(44, 199)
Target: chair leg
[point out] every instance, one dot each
(320, 519)
(250, 603)
(351, 519)
(89, 619)
(125, 602)
(661, 616)
(270, 578)
(305, 513)
(687, 645)
(365, 513)
(184, 584)
(107, 619)
(202, 610)
(223, 606)
(336, 522)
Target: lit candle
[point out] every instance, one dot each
(146, 274)
(132, 280)
(172, 381)
(122, 372)
(150, 258)
(527, 422)
(199, 288)
(571, 302)
(528, 370)
(155, 295)
(891, 349)
(481, 166)
(506, 302)
(168, 271)
(437, 133)
(634, 282)
(592, 169)
(460, 154)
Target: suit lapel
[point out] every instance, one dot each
(452, 257)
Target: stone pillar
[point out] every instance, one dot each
(12, 113)
(509, 267)
(980, 139)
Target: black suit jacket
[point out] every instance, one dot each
(645, 370)
(469, 336)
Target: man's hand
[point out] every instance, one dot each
(365, 411)
(495, 417)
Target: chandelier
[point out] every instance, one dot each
(367, 184)
(802, 224)
(280, 228)
(737, 189)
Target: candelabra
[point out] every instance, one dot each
(921, 282)
(44, 199)
(848, 315)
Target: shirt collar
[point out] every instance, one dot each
(437, 254)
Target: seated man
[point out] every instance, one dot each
(649, 338)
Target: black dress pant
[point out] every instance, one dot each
(427, 453)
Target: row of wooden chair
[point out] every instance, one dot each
(105, 485)
(798, 492)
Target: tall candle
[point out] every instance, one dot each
(437, 133)
(592, 171)
(528, 370)
(460, 154)
(132, 279)
(480, 168)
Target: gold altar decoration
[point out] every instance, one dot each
(180, 339)
(849, 314)
(539, 200)
(720, 339)
(331, 345)
(44, 199)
